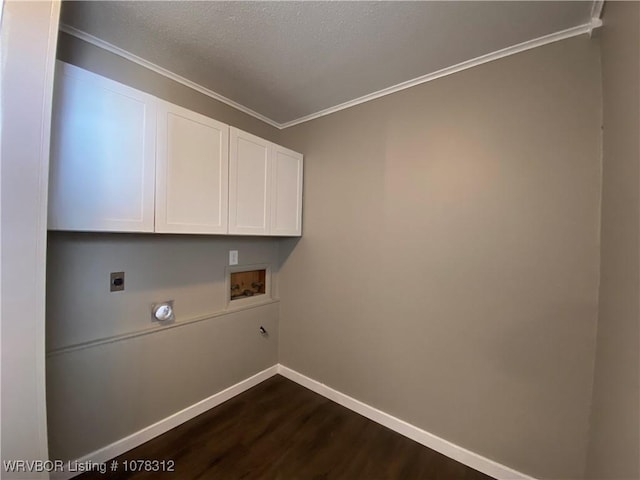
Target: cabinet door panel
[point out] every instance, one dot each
(249, 184)
(286, 206)
(102, 155)
(192, 172)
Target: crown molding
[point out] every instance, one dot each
(87, 37)
(596, 15)
(474, 62)
(586, 28)
(596, 9)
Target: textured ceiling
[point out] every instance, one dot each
(287, 60)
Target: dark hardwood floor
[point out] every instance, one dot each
(280, 430)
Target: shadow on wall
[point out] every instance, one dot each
(286, 246)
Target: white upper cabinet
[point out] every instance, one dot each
(102, 155)
(265, 187)
(249, 184)
(286, 202)
(191, 172)
(125, 161)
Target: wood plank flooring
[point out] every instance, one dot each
(280, 430)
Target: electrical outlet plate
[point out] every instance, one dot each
(233, 257)
(116, 282)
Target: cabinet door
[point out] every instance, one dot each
(102, 154)
(286, 201)
(249, 184)
(191, 172)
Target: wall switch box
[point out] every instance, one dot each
(233, 257)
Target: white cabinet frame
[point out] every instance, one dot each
(265, 187)
(249, 184)
(125, 161)
(103, 180)
(192, 168)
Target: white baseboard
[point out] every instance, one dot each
(440, 445)
(451, 450)
(138, 438)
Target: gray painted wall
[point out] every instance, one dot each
(106, 391)
(189, 269)
(102, 393)
(448, 270)
(448, 273)
(615, 436)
